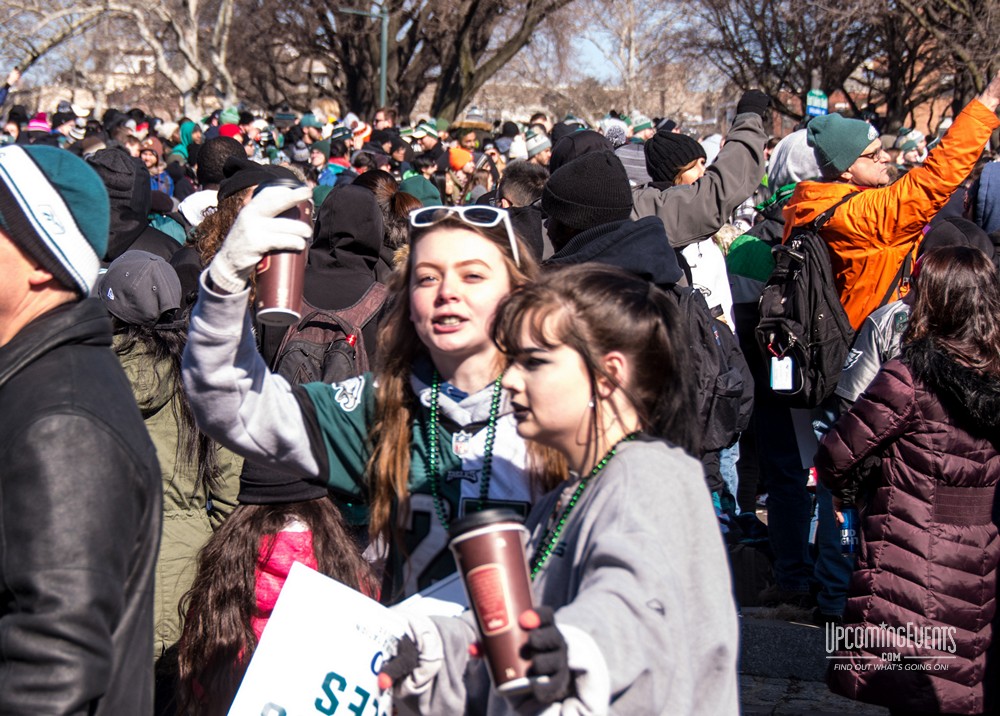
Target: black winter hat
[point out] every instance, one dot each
(576, 144)
(956, 231)
(242, 173)
(560, 130)
(262, 486)
(18, 113)
(60, 118)
(509, 129)
(667, 152)
(591, 190)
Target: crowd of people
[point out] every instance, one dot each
(559, 319)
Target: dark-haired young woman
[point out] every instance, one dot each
(200, 479)
(926, 584)
(279, 521)
(636, 612)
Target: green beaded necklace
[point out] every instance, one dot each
(432, 447)
(548, 544)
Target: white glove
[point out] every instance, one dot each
(256, 232)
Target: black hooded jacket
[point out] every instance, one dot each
(640, 247)
(344, 259)
(129, 192)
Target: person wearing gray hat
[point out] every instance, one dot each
(199, 478)
(539, 147)
(140, 288)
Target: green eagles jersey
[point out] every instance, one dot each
(344, 413)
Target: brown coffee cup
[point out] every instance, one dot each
(280, 279)
(489, 548)
(281, 274)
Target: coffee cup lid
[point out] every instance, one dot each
(483, 518)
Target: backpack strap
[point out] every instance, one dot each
(902, 276)
(360, 315)
(364, 309)
(820, 221)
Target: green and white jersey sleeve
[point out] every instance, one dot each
(343, 415)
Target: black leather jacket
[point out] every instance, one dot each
(80, 515)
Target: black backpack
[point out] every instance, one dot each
(328, 345)
(801, 316)
(725, 386)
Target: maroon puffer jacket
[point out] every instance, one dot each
(930, 547)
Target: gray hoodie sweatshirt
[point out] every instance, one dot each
(696, 211)
(641, 588)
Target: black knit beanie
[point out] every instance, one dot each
(591, 190)
(576, 144)
(667, 152)
(262, 486)
(244, 173)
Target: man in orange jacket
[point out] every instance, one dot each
(871, 234)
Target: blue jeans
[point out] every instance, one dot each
(833, 569)
(789, 504)
(728, 458)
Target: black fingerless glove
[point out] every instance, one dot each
(549, 656)
(754, 101)
(405, 661)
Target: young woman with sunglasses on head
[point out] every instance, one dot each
(628, 567)
(428, 437)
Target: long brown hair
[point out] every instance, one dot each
(957, 305)
(164, 344)
(211, 232)
(218, 639)
(680, 171)
(395, 403)
(595, 309)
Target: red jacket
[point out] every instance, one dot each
(870, 235)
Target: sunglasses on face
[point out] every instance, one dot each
(479, 215)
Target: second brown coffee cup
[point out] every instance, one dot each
(489, 548)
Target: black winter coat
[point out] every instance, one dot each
(80, 515)
(929, 548)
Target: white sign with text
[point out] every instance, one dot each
(320, 652)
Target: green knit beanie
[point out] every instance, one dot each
(839, 141)
(55, 208)
(323, 147)
(230, 115)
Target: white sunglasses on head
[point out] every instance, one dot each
(474, 215)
